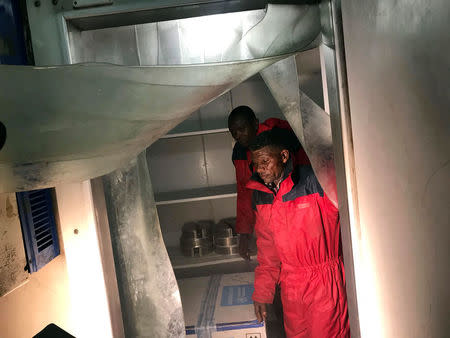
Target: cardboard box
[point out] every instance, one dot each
(220, 306)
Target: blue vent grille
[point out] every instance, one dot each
(38, 227)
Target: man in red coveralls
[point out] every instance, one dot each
(298, 240)
(244, 126)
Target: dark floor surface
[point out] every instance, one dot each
(274, 320)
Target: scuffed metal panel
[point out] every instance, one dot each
(86, 120)
(310, 122)
(246, 35)
(149, 295)
(75, 132)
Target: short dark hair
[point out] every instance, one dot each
(242, 112)
(277, 138)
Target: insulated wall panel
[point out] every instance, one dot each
(177, 165)
(398, 80)
(224, 208)
(218, 149)
(257, 96)
(214, 115)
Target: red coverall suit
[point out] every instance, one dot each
(297, 232)
(245, 215)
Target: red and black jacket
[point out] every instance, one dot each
(296, 228)
(245, 216)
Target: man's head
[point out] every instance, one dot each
(243, 125)
(270, 154)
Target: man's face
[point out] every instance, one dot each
(243, 131)
(269, 163)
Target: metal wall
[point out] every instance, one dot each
(399, 90)
(169, 31)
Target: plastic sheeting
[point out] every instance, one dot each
(72, 123)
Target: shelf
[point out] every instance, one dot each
(192, 195)
(198, 132)
(179, 261)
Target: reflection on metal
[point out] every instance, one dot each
(72, 123)
(319, 144)
(197, 238)
(282, 80)
(149, 296)
(310, 123)
(397, 60)
(90, 3)
(326, 23)
(334, 78)
(226, 241)
(280, 29)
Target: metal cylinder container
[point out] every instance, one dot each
(196, 238)
(226, 241)
(227, 250)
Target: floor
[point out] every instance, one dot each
(274, 321)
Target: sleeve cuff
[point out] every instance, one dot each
(262, 298)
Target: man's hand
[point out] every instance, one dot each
(243, 246)
(260, 311)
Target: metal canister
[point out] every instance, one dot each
(196, 238)
(226, 241)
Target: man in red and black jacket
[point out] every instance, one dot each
(244, 127)
(298, 240)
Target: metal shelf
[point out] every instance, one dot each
(179, 261)
(192, 195)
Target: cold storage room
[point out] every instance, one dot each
(194, 182)
(192, 175)
(172, 84)
(87, 86)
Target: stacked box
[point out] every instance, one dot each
(220, 306)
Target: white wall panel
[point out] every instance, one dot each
(223, 208)
(177, 164)
(398, 75)
(192, 123)
(257, 96)
(218, 149)
(214, 115)
(309, 74)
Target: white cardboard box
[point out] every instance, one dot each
(220, 306)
